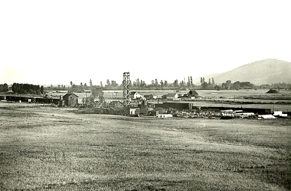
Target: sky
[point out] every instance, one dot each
(58, 41)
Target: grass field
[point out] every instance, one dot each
(55, 149)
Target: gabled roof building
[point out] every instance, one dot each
(71, 99)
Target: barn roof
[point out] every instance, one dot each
(272, 91)
(68, 94)
(193, 92)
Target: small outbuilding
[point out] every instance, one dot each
(192, 93)
(134, 111)
(71, 99)
(187, 93)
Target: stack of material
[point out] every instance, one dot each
(164, 115)
(279, 114)
(267, 117)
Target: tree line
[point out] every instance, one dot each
(27, 89)
(136, 84)
(4, 87)
(205, 84)
(276, 86)
(154, 84)
(141, 84)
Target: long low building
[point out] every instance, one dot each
(191, 105)
(17, 98)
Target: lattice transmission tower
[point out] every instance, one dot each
(126, 86)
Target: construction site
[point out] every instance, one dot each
(130, 104)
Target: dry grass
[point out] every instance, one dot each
(54, 149)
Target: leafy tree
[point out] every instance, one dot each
(228, 84)
(90, 82)
(156, 83)
(162, 84)
(137, 82)
(204, 86)
(217, 87)
(236, 85)
(5, 87)
(25, 88)
(108, 82)
(14, 87)
(165, 83)
(182, 83)
(114, 84)
(142, 83)
(176, 83)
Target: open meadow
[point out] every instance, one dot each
(48, 148)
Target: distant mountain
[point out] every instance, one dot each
(266, 71)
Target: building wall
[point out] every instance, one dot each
(71, 101)
(134, 111)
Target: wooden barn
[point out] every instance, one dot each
(272, 91)
(192, 93)
(71, 99)
(187, 93)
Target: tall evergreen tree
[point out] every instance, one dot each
(41, 90)
(191, 81)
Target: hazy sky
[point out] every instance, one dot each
(55, 42)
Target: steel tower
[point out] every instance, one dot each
(126, 86)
